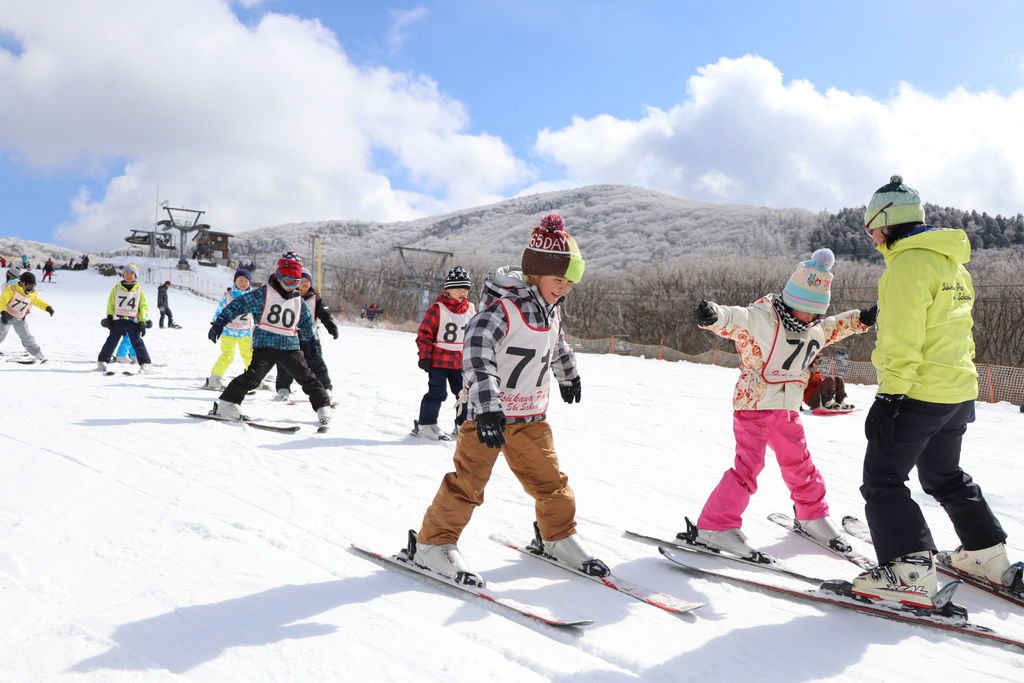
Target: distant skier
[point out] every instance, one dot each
(439, 341)
(311, 350)
(164, 307)
(127, 313)
(776, 337)
(281, 320)
(48, 269)
(237, 333)
(512, 346)
(15, 304)
(825, 391)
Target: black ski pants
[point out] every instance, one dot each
(118, 328)
(263, 360)
(314, 356)
(928, 436)
(165, 312)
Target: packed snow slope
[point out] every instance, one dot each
(138, 544)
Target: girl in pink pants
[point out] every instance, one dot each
(776, 338)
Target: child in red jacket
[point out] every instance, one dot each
(439, 340)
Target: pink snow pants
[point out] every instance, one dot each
(784, 433)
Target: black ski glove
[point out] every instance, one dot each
(142, 328)
(149, 324)
(881, 420)
(5, 317)
(424, 364)
(49, 309)
(705, 313)
(216, 329)
(490, 428)
(333, 331)
(869, 315)
(571, 391)
(105, 322)
(110, 321)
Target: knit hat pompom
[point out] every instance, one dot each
(553, 251)
(810, 287)
(552, 221)
(824, 258)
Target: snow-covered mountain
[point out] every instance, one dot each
(617, 227)
(139, 545)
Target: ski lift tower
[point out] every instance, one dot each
(423, 271)
(184, 221)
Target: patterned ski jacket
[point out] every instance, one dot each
(925, 345)
(761, 344)
(253, 303)
(488, 328)
(233, 293)
(7, 298)
(426, 336)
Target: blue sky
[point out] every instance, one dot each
(262, 112)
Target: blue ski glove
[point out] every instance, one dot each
(490, 429)
(216, 329)
(571, 391)
(880, 424)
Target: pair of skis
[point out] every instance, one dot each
(668, 603)
(947, 616)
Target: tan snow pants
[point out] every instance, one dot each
(530, 453)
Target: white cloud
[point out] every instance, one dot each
(743, 135)
(254, 124)
(401, 20)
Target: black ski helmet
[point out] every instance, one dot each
(27, 278)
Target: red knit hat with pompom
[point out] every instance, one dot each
(553, 251)
(289, 267)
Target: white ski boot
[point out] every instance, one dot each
(101, 366)
(730, 540)
(908, 580)
(324, 415)
(227, 410)
(572, 551)
(282, 395)
(146, 368)
(214, 383)
(990, 563)
(429, 432)
(445, 559)
(824, 531)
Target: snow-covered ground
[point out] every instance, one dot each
(137, 544)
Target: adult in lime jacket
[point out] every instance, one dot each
(16, 303)
(127, 313)
(927, 385)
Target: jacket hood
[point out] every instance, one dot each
(951, 243)
(503, 282)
